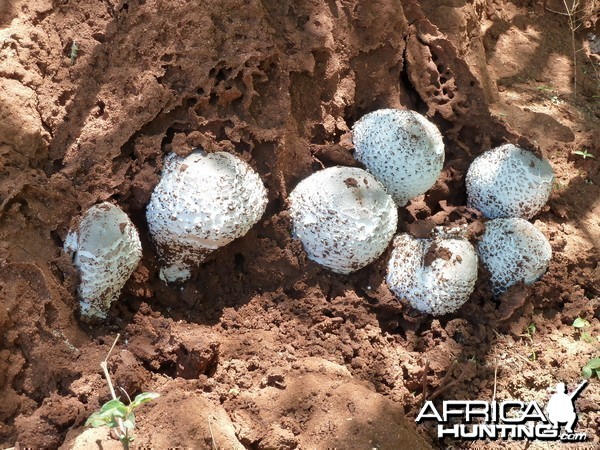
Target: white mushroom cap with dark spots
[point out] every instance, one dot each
(402, 149)
(343, 217)
(508, 181)
(513, 250)
(435, 276)
(202, 202)
(106, 249)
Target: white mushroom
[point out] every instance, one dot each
(513, 250)
(402, 149)
(343, 217)
(435, 276)
(106, 249)
(508, 181)
(202, 202)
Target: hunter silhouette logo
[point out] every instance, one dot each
(561, 407)
(510, 419)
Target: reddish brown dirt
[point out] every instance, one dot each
(263, 348)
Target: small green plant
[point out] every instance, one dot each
(529, 332)
(584, 154)
(591, 368)
(74, 51)
(116, 414)
(580, 324)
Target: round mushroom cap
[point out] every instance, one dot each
(202, 202)
(513, 250)
(106, 249)
(343, 217)
(508, 181)
(435, 276)
(402, 149)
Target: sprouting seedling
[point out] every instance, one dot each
(529, 332)
(591, 368)
(544, 88)
(114, 413)
(580, 324)
(74, 50)
(584, 154)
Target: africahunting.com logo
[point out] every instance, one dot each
(511, 419)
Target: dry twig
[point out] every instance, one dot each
(104, 366)
(212, 436)
(574, 21)
(444, 384)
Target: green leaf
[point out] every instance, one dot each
(108, 418)
(116, 405)
(108, 414)
(112, 413)
(580, 323)
(131, 419)
(142, 398)
(96, 421)
(114, 422)
(584, 153)
(586, 372)
(593, 364)
(587, 337)
(129, 424)
(531, 329)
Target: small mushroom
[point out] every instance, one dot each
(435, 276)
(402, 149)
(513, 250)
(106, 249)
(202, 202)
(343, 217)
(508, 181)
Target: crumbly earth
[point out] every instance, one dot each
(263, 348)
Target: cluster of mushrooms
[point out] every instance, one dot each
(345, 218)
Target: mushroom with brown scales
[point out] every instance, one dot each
(513, 250)
(202, 202)
(402, 149)
(106, 249)
(509, 181)
(434, 275)
(343, 217)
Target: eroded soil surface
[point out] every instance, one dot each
(263, 349)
